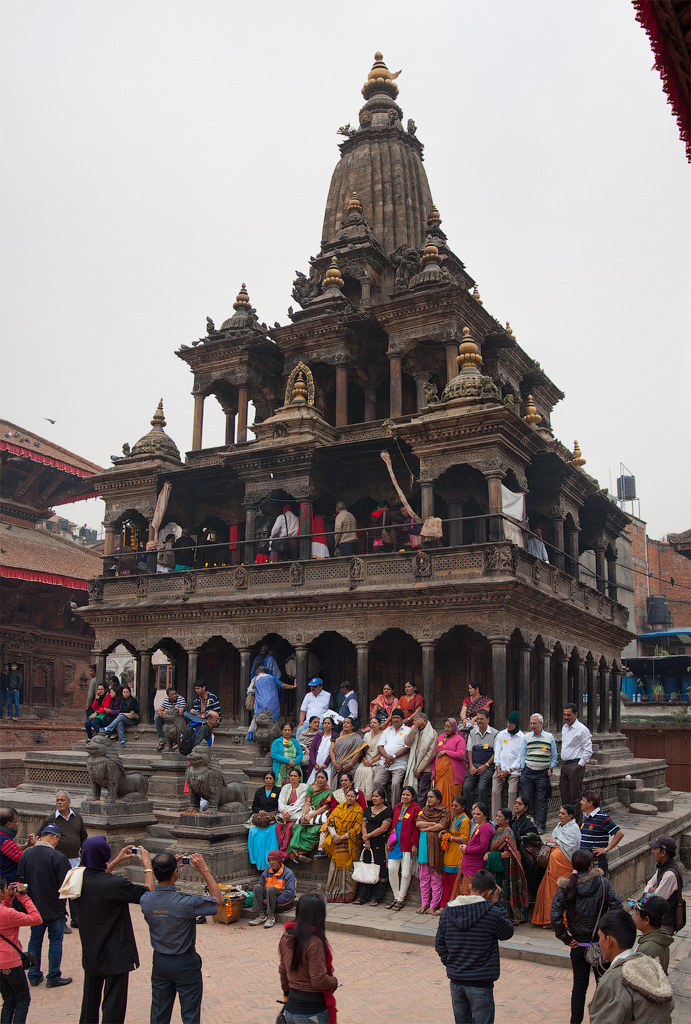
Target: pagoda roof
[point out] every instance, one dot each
(18, 441)
(34, 555)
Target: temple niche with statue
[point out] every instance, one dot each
(389, 349)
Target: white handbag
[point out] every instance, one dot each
(366, 873)
(71, 888)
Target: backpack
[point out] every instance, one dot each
(188, 739)
(680, 909)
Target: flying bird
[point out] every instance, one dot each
(49, 419)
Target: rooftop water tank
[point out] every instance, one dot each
(658, 612)
(626, 488)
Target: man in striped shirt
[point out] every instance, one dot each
(599, 833)
(172, 699)
(537, 758)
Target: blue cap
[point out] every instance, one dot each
(51, 830)
(316, 682)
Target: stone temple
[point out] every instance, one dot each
(390, 351)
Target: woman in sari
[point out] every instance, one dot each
(566, 839)
(364, 773)
(432, 820)
(474, 702)
(347, 749)
(474, 850)
(266, 689)
(528, 843)
(286, 753)
(376, 826)
(382, 706)
(291, 803)
(315, 812)
(448, 767)
(504, 861)
(320, 751)
(341, 845)
(345, 782)
(262, 835)
(458, 835)
(410, 702)
(320, 548)
(305, 740)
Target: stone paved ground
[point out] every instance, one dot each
(383, 982)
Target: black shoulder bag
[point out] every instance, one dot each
(28, 959)
(593, 953)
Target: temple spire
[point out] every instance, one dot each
(380, 79)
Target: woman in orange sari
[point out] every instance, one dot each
(448, 767)
(566, 839)
(410, 702)
(382, 705)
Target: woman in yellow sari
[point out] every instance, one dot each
(448, 767)
(341, 845)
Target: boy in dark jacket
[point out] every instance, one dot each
(654, 941)
(467, 944)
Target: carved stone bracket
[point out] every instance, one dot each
(537, 572)
(240, 579)
(189, 583)
(142, 586)
(95, 591)
(423, 563)
(297, 574)
(357, 569)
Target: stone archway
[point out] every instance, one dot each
(394, 657)
(460, 655)
(338, 659)
(218, 664)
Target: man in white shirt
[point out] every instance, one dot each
(285, 526)
(507, 747)
(394, 756)
(316, 702)
(535, 545)
(576, 751)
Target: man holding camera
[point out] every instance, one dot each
(13, 986)
(44, 869)
(171, 917)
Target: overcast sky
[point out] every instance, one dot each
(157, 154)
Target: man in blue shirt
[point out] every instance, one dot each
(171, 917)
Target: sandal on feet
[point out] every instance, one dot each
(398, 905)
(374, 903)
(392, 905)
(160, 746)
(422, 910)
(358, 903)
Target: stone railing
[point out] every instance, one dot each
(475, 562)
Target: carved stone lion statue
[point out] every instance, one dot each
(265, 732)
(105, 769)
(205, 781)
(171, 727)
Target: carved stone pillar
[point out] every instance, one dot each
(426, 498)
(615, 677)
(370, 404)
(250, 516)
(603, 686)
(499, 645)
(420, 391)
(245, 666)
(395, 385)
(455, 524)
(305, 540)
(198, 422)
(144, 679)
(109, 542)
(591, 671)
(545, 690)
(495, 505)
(243, 402)
(612, 590)
(523, 687)
(562, 686)
(573, 553)
(341, 395)
(363, 682)
(230, 426)
(428, 679)
(301, 655)
(451, 364)
(557, 557)
(600, 568)
(100, 663)
(192, 657)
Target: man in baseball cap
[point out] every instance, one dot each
(649, 913)
(43, 868)
(666, 882)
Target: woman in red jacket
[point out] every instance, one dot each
(402, 845)
(13, 983)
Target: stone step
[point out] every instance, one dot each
(664, 803)
(645, 795)
(641, 808)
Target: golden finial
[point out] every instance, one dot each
(299, 389)
(433, 219)
(243, 300)
(159, 419)
(380, 79)
(469, 357)
(509, 331)
(333, 277)
(354, 206)
(430, 254)
(532, 416)
(577, 459)
(476, 295)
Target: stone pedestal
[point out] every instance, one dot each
(222, 841)
(167, 783)
(123, 823)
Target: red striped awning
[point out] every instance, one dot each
(45, 460)
(43, 577)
